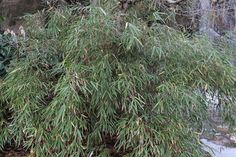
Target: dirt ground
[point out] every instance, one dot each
(15, 154)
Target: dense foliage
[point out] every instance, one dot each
(97, 81)
(7, 51)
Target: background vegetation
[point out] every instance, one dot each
(100, 80)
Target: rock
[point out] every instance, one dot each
(11, 10)
(233, 138)
(223, 140)
(211, 33)
(222, 129)
(218, 150)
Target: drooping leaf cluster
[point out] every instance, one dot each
(97, 82)
(7, 51)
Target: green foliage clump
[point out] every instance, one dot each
(7, 51)
(99, 83)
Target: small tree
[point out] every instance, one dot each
(97, 81)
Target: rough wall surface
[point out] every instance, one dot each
(13, 9)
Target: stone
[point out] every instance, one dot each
(11, 10)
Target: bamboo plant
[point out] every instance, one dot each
(97, 81)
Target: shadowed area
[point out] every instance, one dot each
(11, 10)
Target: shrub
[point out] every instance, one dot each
(97, 83)
(7, 51)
